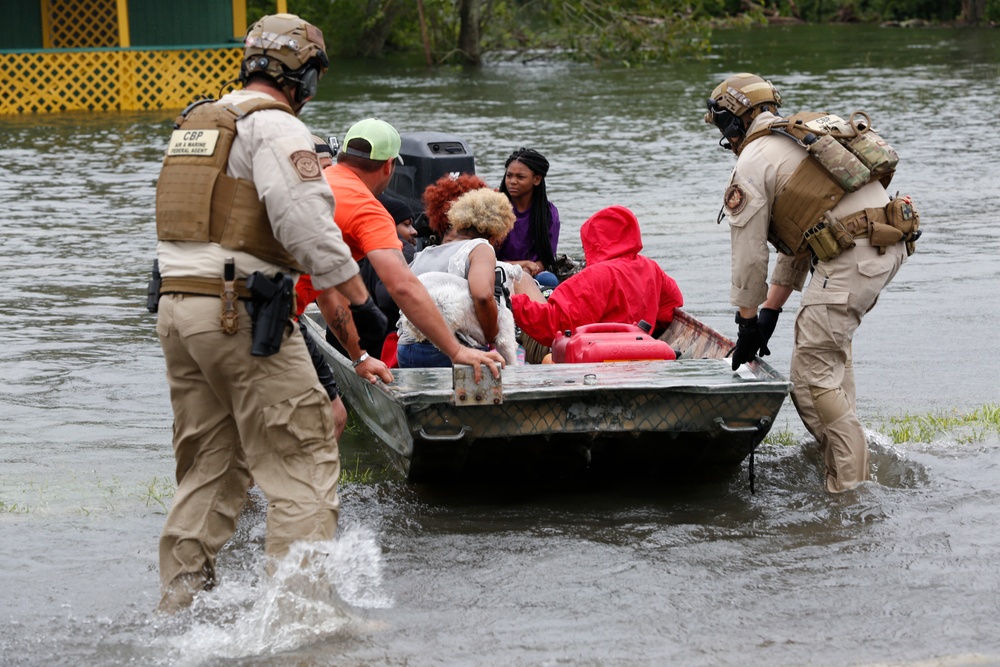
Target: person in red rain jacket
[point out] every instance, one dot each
(617, 285)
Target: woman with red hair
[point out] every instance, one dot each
(439, 196)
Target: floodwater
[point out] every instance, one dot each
(904, 571)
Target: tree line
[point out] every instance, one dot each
(630, 31)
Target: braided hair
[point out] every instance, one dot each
(540, 219)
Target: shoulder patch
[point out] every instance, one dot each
(736, 198)
(306, 165)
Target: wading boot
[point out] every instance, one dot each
(180, 593)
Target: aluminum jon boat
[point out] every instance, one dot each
(658, 418)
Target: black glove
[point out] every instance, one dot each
(749, 341)
(766, 319)
(370, 322)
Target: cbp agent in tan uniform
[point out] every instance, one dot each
(242, 181)
(824, 206)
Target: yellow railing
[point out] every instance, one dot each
(113, 79)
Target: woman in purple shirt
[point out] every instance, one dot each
(532, 243)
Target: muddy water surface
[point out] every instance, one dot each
(905, 571)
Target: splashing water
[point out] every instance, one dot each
(314, 594)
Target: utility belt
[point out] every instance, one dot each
(270, 302)
(898, 222)
(203, 287)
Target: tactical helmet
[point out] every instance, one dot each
(742, 92)
(289, 50)
(734, 97)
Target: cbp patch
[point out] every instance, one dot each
(306, 165)
(736, 198)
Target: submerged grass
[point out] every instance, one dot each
(21, 506)
(157, 492)
(782, 438)
(357, 475)
(14, 508)
(154, 494)
(962, 427)
(965, 428)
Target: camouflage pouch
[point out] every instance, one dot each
(842, 165)
(875, 153)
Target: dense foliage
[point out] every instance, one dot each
(628, 31)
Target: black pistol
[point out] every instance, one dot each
(271, 311)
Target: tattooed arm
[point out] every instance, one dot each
(334, 304)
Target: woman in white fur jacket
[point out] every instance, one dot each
(461, 276)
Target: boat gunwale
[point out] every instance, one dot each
(634, 377)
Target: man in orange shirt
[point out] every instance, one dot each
(364, 167)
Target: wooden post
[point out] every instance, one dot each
(46, 8)
(239, 19)
(124, 38)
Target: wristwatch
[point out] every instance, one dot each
(360, 360)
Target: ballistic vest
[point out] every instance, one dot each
(197, 201)
(843, 157)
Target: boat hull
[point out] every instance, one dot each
(657, 418)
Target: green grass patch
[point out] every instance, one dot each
(354, 425)
(965, 428)
(357, 474)
(13, 508)
(782, 438)
(156, 493)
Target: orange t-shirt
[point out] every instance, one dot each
(363, 221)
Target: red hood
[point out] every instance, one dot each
(611, 232)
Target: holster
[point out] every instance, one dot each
(270, 311)
(153, 288)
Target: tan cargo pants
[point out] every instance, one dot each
(236, 415)
(840, 292)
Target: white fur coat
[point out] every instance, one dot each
(451, 294)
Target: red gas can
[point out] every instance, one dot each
(606, 342)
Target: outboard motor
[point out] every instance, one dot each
(427, 156)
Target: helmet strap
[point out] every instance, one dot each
(299, 86)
